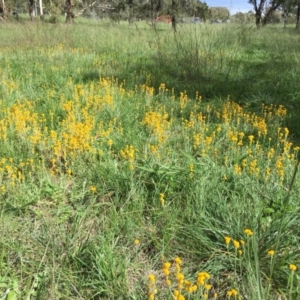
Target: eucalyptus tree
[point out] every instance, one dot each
(263, 6)
(271, 8)
(286, 5)
(69, 11)
(288, 8)
(3, 10)
(41, 9)
(292, 7)
(258, 6)
(298, 16)
(219, 13)
(31, 9)
(156, 7)
(192, 8)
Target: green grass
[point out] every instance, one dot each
(98, 120)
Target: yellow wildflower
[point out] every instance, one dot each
(201, 280)
(292, 267)
(248, 232)
(176, 293)
(151, 296)
(236, 244)
(232, 292)
(162, 199)
(202, 277)
(227, 240)
(93, 189)
(166, 271)
(204, 274)
(180, 277)
(251, 138)
(151, 278)
(177, 260)
(187, 283)
(194, 288)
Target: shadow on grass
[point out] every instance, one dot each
(257, 80)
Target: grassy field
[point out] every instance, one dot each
(139, 164)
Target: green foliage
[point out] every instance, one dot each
(219, 13)
(240, 17)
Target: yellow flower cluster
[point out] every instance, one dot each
(232, 292)
(158, 123)
(183, 100)
(202, 279)
(182, 286)
(128, 154)
(238, 244)
(248, 232)
(228, 121)
(152, 290)
(76, 126)
(271, 111)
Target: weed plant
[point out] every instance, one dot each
(128, 172)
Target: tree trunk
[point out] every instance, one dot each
(269, 13)
(31, 9)
(173, 20)
(298, 16)
(41, 9)
(4, 11)
(153, 15)
(284, 17)
(257, 18)
(173, 15)
(258, 8)
(69, 13)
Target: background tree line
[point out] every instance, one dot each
(130, 10)
(264, 11)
